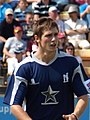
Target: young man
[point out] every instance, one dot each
(47, 80)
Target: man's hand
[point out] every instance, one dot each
(70, 117)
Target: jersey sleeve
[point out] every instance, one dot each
(78, 79)
(17, 88)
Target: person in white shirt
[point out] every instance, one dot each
(53, 13)
(10, 47)
(76, 29)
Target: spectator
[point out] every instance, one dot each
(32, 46)
(12, 43)
(42, 7)
(47, 80)
(85, 12)
(27, 26)
(3, 7)
(7, 27)
(53, 13)
(20, 11)
(76, 29)
(13, 62)
(70, 49)
(62, 40)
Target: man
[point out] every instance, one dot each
(41, 8)
(3, 7)
(7, 27)
(53, 13)
(76, 29)
(47, 80)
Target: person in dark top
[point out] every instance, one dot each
(7, 27)
(47, 80)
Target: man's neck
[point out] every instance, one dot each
(45, 56)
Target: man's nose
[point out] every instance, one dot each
(53, 38)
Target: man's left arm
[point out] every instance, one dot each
(81, 105)
(79, 108)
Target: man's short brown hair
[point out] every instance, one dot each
(43, 24)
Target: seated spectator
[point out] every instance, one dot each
(76, 29)
(70, 49)
(3, 7)
(53, 13)
(20, 11)
(27, 26)
(62, 40)
(14, 42)
(85, 12)
(7, 28)
(13, 62)
(32, 46)
(42, 7)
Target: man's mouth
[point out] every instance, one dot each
(53, 44)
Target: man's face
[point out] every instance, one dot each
(49, 40)
(9, 18)
(53, 15)
(19, 35)
(74, 16)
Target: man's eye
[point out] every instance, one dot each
(49, 35)
(56, 34)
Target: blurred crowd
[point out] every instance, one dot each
(17, 39)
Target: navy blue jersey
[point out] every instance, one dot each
(48, 89)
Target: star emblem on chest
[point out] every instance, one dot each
(50, 96)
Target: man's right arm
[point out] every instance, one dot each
(19, 113)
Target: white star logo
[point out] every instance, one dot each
(50, 96)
